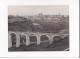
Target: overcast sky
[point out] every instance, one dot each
(35, 10)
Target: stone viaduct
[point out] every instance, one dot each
(27, 34)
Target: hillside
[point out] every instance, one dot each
(44, 25)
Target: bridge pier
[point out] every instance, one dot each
(27, 40)
(50, 39)
(9, 41)
(38, 39)
(17, 40)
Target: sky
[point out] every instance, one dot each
(36, 9)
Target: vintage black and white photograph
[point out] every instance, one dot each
(38, 28)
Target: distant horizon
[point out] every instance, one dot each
(35, 10)
(36, 14)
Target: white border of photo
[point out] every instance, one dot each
(73, 22)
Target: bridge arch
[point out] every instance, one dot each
(44, 38)
(57, 39)
(13, 39)
(22, 40)
(33, 39)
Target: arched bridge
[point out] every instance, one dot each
(27, 37)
